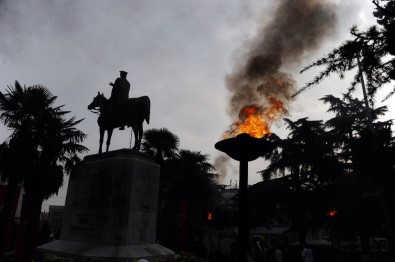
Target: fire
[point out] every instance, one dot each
(332, 213)
(256, 120)
(209, 216)
(254, 124)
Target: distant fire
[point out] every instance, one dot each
(209, 216)
(256, 120)
(332, 213)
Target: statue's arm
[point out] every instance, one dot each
(117, 82)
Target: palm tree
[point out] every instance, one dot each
(161, 144)
(59, 142)
(186, 177)
(53, 142)
(16, 155)
(195, 175)
(191, 192)
(14, 164)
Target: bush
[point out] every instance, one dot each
(53, 258)
(187, 257)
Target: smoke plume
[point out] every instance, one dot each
(224, 169)
(221, 166)
(297, 27)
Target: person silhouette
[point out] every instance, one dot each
(119, 94)
(307, 254)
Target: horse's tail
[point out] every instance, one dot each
(146, 108)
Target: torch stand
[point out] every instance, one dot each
(243, 235)
(243, 148)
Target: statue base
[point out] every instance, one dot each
(100, 252)
(110, 210)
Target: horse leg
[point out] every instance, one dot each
(101, 140)
(140, 135)
(136, 137)
(109, 134)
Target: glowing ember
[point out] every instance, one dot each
(209, 216)
(256, 120)
(332, 213)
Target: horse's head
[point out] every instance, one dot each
(98, 102)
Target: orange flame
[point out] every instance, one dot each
(256, 120)
(209, 216)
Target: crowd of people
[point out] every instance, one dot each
(262, 252)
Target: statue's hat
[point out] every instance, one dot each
(123, 72)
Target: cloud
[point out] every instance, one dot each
(177, 52)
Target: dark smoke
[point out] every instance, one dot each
(297, 27)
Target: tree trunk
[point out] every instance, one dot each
(7, 215)
(29, 228)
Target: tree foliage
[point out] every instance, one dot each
(43, 145)
(41, 133)
(305, 154)
(187, 184)
(373, 50)
(308, 166)
(161, 144)
(338, 164)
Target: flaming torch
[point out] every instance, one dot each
(244, 142)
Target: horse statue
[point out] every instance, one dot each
(131, 113)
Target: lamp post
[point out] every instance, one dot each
(243, 148)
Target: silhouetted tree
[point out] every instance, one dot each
(187, 180)
(369, 157)
(15, 163)
(195, 180)
(373, 48)
(194, 186)
(17, 157)
(309, 161)
(370, 52)
(356, 144)
(53, 143)
(160, 144)
(306, 154)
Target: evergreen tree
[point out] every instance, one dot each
(370, 51)
(307, 158)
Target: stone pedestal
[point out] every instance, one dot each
(110, 210)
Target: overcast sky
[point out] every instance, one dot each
(176, 52)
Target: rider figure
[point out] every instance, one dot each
(119, 94)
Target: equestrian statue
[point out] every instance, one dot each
(119, 111)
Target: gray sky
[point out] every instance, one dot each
(176, 52)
